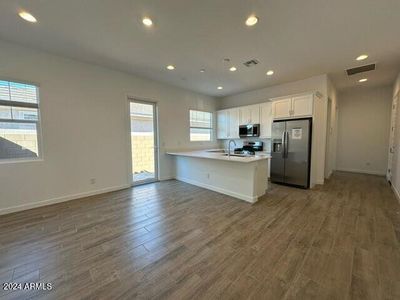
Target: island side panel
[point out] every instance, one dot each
(261, 178)
(236, 179)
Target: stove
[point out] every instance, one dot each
(249, 148)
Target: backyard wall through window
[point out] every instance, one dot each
(19, 121)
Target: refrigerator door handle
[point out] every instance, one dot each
(283, 143)
(286, 148)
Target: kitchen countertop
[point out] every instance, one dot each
(213, 154)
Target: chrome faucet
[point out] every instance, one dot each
(229, 147)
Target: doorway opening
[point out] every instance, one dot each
(144, 146)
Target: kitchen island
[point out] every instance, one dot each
(241, 176)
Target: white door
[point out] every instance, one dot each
(144, 147)
(233, 123)
(254, 114)
(244, 115)
(302, 106)
(222, 124)
(265, 119)
(281, 108)
(392, 139)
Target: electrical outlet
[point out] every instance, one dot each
(92, 180)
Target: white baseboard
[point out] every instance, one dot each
(219, 190)
(396, 192)
(329, 175)
(361, 171)
(22, 207)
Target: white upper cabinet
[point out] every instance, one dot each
(255, 114)
(244, 115)
(282, 108)
(228, 120)
(249, 114)
(265, 119)
(228, 124)
(222, 124)
(293, 107)
(233, 121)
(302, 105)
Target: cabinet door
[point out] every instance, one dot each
(244, 115)
(281, 108)
(233, 121)
(302, 106)
(265, 119)
(222, 124)
(254, 114)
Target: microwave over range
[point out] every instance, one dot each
(249, 130)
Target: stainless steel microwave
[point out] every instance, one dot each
(249, 130)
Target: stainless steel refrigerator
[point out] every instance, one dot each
(291, 152)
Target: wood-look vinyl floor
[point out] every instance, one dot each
(172, 240)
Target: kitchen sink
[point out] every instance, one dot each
(238, 155)
(217, 151)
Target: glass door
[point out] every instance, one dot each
(143, 122)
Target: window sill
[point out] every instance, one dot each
(18, 161)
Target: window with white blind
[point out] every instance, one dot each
(200, 125)
(19, 121)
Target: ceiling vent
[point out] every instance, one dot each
(251, 63)
(361, 69)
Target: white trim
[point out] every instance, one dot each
(22, 207)
(329, 174)
(219, 190)
(396, 192)
(296, 95)
(154, 103)
(361, 171)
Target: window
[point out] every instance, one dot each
(19, 120)
(200, 125)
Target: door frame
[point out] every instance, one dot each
(392, 136)
(154, 103)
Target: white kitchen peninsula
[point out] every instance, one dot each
(243, 177)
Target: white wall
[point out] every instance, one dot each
(396, 156)
(85, 127)
(363, 135)
(313, 84)
(331, 130)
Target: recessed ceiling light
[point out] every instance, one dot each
(220, 87)
(232, 69)
(270, 72)
(147, 21)
(362, 57)
(202, 70)
(27, 17)
(363, 80)
(252, 20)
(171, 67)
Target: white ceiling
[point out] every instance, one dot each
(297, 39)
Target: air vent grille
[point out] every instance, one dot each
(251, 63)
(362, 69)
